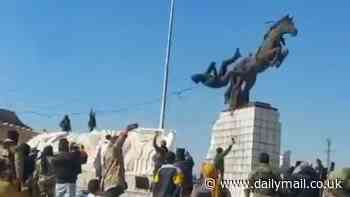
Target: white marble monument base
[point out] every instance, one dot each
(256, 129)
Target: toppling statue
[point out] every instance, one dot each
(214, 79)
(241, 78)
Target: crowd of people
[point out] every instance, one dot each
(23, 173)
(27, 172)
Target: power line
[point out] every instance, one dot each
(35, 113)
(177, 93)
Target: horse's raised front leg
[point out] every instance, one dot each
(272, 55)
(276, 55)
(282, 57)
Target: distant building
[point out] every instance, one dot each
(10, 121)
(285, 160)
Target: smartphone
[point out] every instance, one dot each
(132, 126)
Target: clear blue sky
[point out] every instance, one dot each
(67, 56)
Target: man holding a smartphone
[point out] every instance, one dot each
(113, 172)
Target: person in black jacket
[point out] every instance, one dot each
(67, 166)
(169, 179)
(44, 173)
(27, 167)
(185, 163)
(82, 154)
(161, 153)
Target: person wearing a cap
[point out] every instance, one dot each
(185, 163)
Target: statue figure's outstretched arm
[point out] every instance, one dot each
(210, 73)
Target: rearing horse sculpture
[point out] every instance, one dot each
(243, 76)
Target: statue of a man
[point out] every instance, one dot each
(214, 79)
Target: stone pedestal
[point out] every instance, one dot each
(256, 129)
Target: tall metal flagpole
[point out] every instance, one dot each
(166, 67)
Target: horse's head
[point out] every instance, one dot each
(287, 26)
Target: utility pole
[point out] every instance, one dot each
(328, 151)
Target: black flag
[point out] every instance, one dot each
(92, 120)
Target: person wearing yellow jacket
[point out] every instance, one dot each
(209, 183)
(169, 179)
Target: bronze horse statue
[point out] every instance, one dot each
(243, 76)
